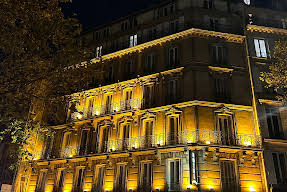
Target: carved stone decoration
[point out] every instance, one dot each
(224, 110)
(173, 110)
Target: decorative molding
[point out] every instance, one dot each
(263, 29)
(271, 102)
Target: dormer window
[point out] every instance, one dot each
(99, 51)
(133, 40)
(247, 2)
(208, 4)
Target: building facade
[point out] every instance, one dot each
(176, 107)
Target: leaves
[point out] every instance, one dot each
(276, 76)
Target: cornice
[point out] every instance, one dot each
(270, 102)
(181, 35)
(263, 29)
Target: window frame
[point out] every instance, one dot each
(133, 40)
(261, 52)
(169, 184)
(279, 175)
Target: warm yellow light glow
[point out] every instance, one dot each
(207, 142)
(97, 113)
(247, 143)
(106, 190)
(188, 187)
(70, 155)
(252, 189)
(210, 187)
(79, 116)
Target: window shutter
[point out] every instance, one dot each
(181, 23)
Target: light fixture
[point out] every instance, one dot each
(207, 142)
(211, 188)
(79, 116)
(247, 143)
(252, 189)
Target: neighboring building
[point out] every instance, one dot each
(266, 23)
(174, 109)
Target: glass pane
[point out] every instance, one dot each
(257, 48)
(262, 48)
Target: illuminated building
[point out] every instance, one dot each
(175, 110)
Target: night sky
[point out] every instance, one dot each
(92, 13)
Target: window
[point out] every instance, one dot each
(121, 178)
(66, 148)
(208, 4)
(222, 90)
(90, 107)
(213, 24)
(133, 40)
(99, 180)
(126, 134)
(84, 142)
(109, 99)
(148, 129)
(128, 100)
(79, 179)
(105, 138)
(228, 174)
(280, 167)
(193, 167)
(260, 48)
(171, 92)
(247, 2)
(111, 77)
(174, 175)
(173, 57)
(173, 132)
(129, 68)
(60, 180)
(173, 26)
(284, 23)
(149, 63)
(225, 126)
(99, 51)
(23, 183)
(42, 180)
(272, 116)
(47, 148)
(145, 176)
(148, 96)
(218, 54)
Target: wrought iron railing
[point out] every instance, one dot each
(204, 137)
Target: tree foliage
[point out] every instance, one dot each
(38, 43)
(276, 75)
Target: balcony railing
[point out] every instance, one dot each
(170, 139)
(113, 107)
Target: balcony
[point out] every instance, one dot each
(113, 107)
(187, 137)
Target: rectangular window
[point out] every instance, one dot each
(225, 126)
(222, 90)
(61, 180)
(173, 132)
(173, 57)
(84, 142)
(193, 167)
(23, 183)
(66, 148)
(228, 174)
(42, 180)
(171, 92)
(129, 68)
(105, 139)
(79, 179)
(280, 167)
(214, 24)
(126, 134)
(218, 55)
(272, 116)
(173, 26)
(109, 99)
(47, 148)
(148, 128)
(145, 176)
(149, 63)
(284, 23)
(121, 178)
(99, 51)
(208, 4)
(260, 48)
(100, 175)
(174, 175)
(90, 108)
(133, 40)
(128, 100)
(148, 96)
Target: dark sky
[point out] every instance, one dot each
(97, 12)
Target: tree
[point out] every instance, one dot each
(38, 46)
(276, 75)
